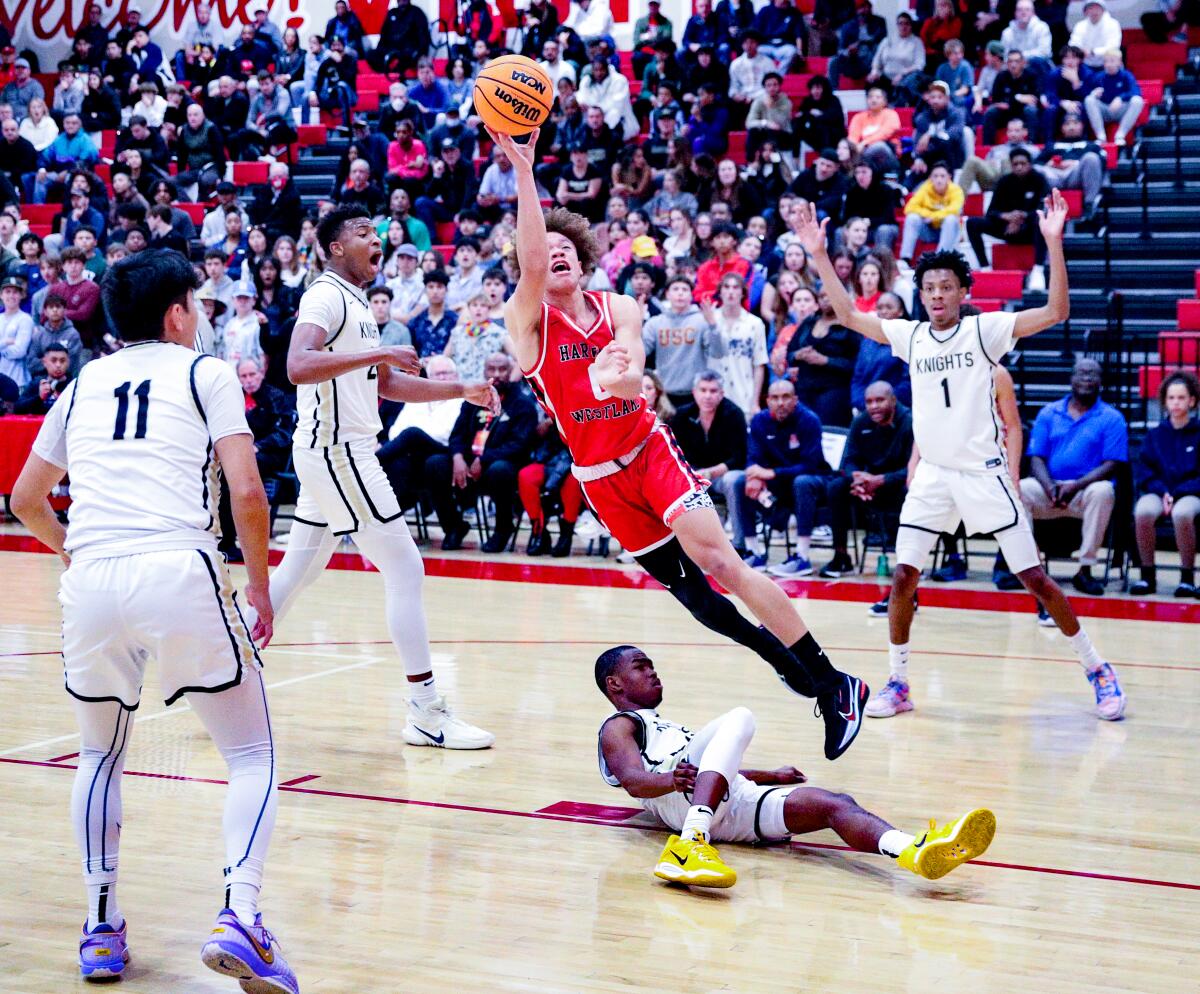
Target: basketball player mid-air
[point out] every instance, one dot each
(141, 433)
(341, 371)
(691, 782)
(582, 354)
(963, 474)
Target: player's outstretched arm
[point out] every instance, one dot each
(1057, 309)
(252, 516)
(309, 362)
(813, 238)
(33, 510)
(523, 310)
(624, 759)
(417, 390)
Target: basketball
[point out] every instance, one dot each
(513, 95)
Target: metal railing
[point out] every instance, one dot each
(1174, 118)
(1109, 346)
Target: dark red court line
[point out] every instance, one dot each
(681, 645)
(855, 591)
(548, 815)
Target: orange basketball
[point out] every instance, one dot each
(513, 95)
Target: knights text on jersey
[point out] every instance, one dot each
(136, 431)
(953, 391)
(596, 426)
(345, 408)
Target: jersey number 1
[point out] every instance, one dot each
(142, 393)
(946, 389)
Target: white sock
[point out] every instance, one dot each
(898, 662)
(755, 545)
(804, 545)
(102, 906)
(1089, 658)
(893, 843)
(242, 899)
(698, 822)
(423, 693)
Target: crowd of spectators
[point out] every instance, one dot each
(746, 360)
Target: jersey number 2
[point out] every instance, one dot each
(142, 393)
(946, 389)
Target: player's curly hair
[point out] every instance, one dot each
(956, 262)
(578, 229)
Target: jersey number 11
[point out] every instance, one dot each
(142, 393)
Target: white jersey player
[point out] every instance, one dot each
(692, 784)
(963, 475)
(341, 371)
(141, 433)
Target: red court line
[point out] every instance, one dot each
(679, 645)
(59, 759)
(546, 815)
(298, 780)
(855, 591)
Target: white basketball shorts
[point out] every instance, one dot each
(176, 606)
(753, 813)
(986, 504)
(343, 486)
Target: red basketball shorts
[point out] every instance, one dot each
(638, 503)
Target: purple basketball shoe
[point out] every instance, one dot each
(103, 951)
(250, 954)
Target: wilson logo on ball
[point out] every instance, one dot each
(531, 112)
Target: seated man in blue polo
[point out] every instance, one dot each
(1076, 447)
(784, 464)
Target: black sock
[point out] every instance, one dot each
(1187, 576)
(1149, 574)
(816, 664)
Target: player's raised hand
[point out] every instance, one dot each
(482, 395)
(403, 357)
(259, 598)
(521, 155)
(1053, 217)
(811, 231)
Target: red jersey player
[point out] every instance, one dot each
(582, 353)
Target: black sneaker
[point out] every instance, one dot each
(1144, 588)
(539, 543)
(452, 541)
(496, 542)
(879, 608)
(955, 569)
(837, 567)
(1085, 583)
(1187, 590)
(1005, 579)
(842, 712)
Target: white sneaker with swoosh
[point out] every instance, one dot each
(436, 725)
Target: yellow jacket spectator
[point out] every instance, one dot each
(932, 213)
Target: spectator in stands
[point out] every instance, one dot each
(162, 235)
(408, 162)
(825, 20)
(1065, 88)
(40, 392)
(403, 39)
(648, 31)
(1168, 479)
(579, 186)
(391, 332)
(1012, 215)
(304, 82)
(820, 362)
(748, 71)
(146, 56)
(873, 472)
(16, 331)
(874, 132)
(150, 143)
(707, 70)
(451, 187)
(476, 336)
(1030, 35)
(70, 151)
(702, 29)
(150, 105)
(938, 126)
(101, 108)
(276, 207)
(361, 189)
(419, 431)
(201, 153)
(54, 329)
(498, 187)
(899, 62)
(1097, 33)
(743, 366)
(428, 92)
(943, 26)
(240, 339)
(730, 188)
(724, 260)
(92, 29)
(784, 448)
(1115, 96)
(857, 41)
(248, 56)
(467, 280)
(431, 328)
(602, 143)
(50, 266)
(958, 75)
(592, 20)
(708, 127)
(268, 120)
(213, 228)
(407, 287)
(202, 31)
(335, 87)
(820, 120)
(21, 89)
(610, 92)
(987, 172)
(769, 116)
(555, 66)
(1016, 93)
(1073, 162)
(264, 30)
(823, 183)
(486, 453)
(39, 128)
(875, 360)
(781, 27)
(1075, 449)
(933, 212)
(682, 340)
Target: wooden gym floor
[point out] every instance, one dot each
(397, 869)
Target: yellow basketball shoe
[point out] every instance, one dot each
(940, 850)
(693, 862)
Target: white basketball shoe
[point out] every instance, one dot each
(435, 725)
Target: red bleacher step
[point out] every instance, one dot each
(1179, 348)
(1005, 256)
(1005, 284)
(1187, 314)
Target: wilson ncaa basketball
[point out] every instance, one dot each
(513, 95)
